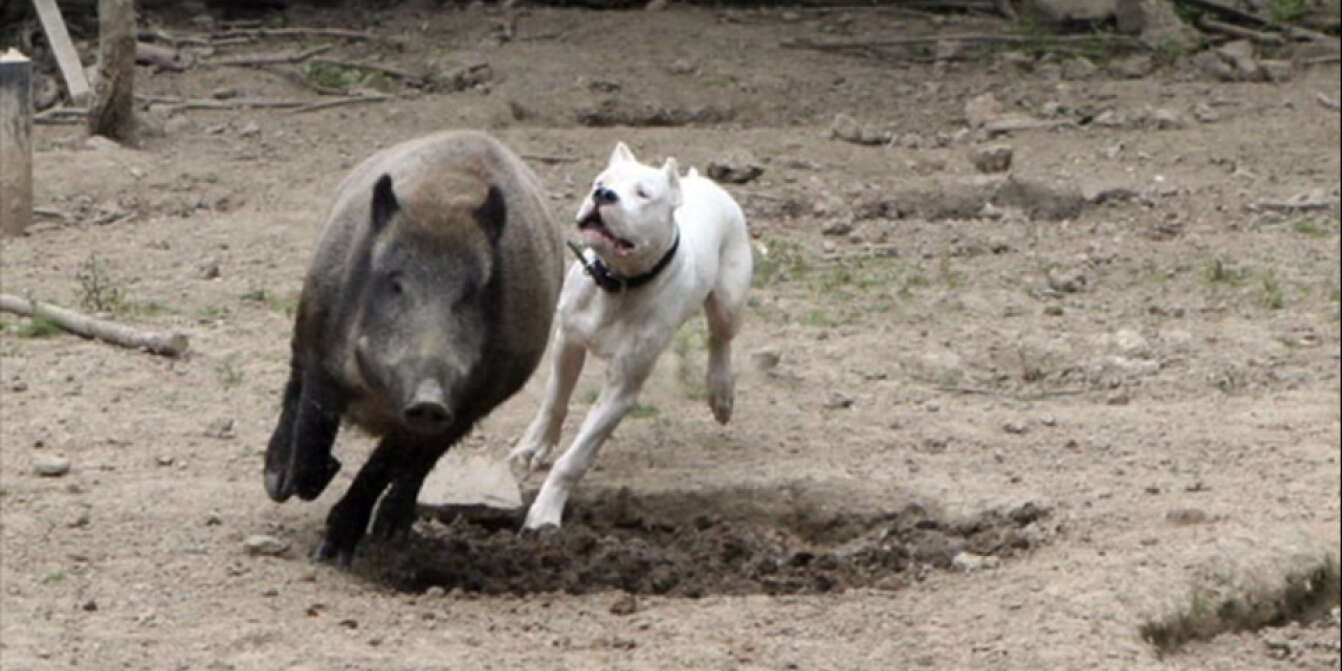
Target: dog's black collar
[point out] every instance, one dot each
(609, 281)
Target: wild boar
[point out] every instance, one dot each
(429, 301)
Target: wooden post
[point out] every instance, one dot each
(66, 56)
(112, 112)
(16, 147)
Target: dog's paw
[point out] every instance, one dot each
(542, 517)
(529, 456)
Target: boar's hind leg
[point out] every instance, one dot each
(396, 512)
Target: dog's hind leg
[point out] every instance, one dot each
(723, 308)
(544, 431)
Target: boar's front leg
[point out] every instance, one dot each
(396, 511)
(298, 458)
(348, 519)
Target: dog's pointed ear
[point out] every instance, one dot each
(672, 172)
(384, 203)
(621, 154)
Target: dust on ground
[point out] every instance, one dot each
(964, 437)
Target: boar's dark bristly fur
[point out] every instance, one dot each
(428, 302)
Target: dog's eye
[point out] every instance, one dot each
(641, 193)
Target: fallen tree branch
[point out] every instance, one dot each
(1294, 206)
(970, 38)
(391, 72)
(540, 158)
(1327, 102)
(1234, 14)
(167, 344)
(302, 32)
(176, 104)
(352, 100)
(175, 40)
(1214, 26)
(270, 59)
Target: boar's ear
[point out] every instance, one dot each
(492, 213)
(384, 203)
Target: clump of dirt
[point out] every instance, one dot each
(697, 543)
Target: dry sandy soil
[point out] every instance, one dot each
(1002, 441)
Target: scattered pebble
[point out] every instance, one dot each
(435, 592)
(765, 359)
(969, 562)
(262, 544)
(838, 400)
(1187, 516)
(847, 128)
(993, 158)
(51, 465)
(1015, 427)
(626, 604)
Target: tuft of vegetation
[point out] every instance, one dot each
(1303, 595)
(641, 411)
(36, 326)
(1314, 228)
(1289, 11)
(1272, 297)
(98, 291)
(228, 373)
(1220, 272)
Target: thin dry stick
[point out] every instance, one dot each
(167, 344)
(270, 59)
(301, 32)
(210, 104)
(352, 100)
(1327, 102)
(541, 158)
(970, 38)
(392, 72)
(1212, 25)
(1294, 206)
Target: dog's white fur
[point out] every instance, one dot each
(630, 329)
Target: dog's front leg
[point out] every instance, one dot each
(618, 396)
(543, 433)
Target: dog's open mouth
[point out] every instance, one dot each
(592, 226)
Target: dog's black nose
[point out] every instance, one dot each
(604, 196)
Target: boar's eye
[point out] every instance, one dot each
(394, 284)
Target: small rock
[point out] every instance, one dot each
(765, 359)
(1079, 68)
(1049, 72)
(838, 400)
(847, 128)
(655, 5)
(738, 167)
(1015, 427)
(1276, 70)
(1206, 113)
(1132, 67)
(982, 108)
(1187, 516)
(224, 93)
(1212, 64)
(221, 428)
(209, 270)
(626, 604)
(1119, 398)
(1131, 343)
(1050, 109)
(994, 158)
(969, 562)
(1108, 119)
(252, 129)
(1239, 55)
(1068, 282)
(164, 460)
(90, 605)
(837, 227)
(681, 66)
(1164, 118)
(435, 592)
(50, 465)
(213, 519)
(262, 544)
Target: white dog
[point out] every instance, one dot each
(659, 245)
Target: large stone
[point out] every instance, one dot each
(1079, 68)
(982, 108)
(1156, 24)
(1069, 11)
(737, 167)
(992, 158)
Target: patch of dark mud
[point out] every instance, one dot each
(700, 543)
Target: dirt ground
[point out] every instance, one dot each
(1002, 441)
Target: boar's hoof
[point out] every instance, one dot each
(328, 553)
(309, 483)
(395, 516)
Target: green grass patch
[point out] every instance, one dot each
(98, 290)
(1302, 596)
(35, 327)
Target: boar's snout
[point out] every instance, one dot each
(427, 411)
